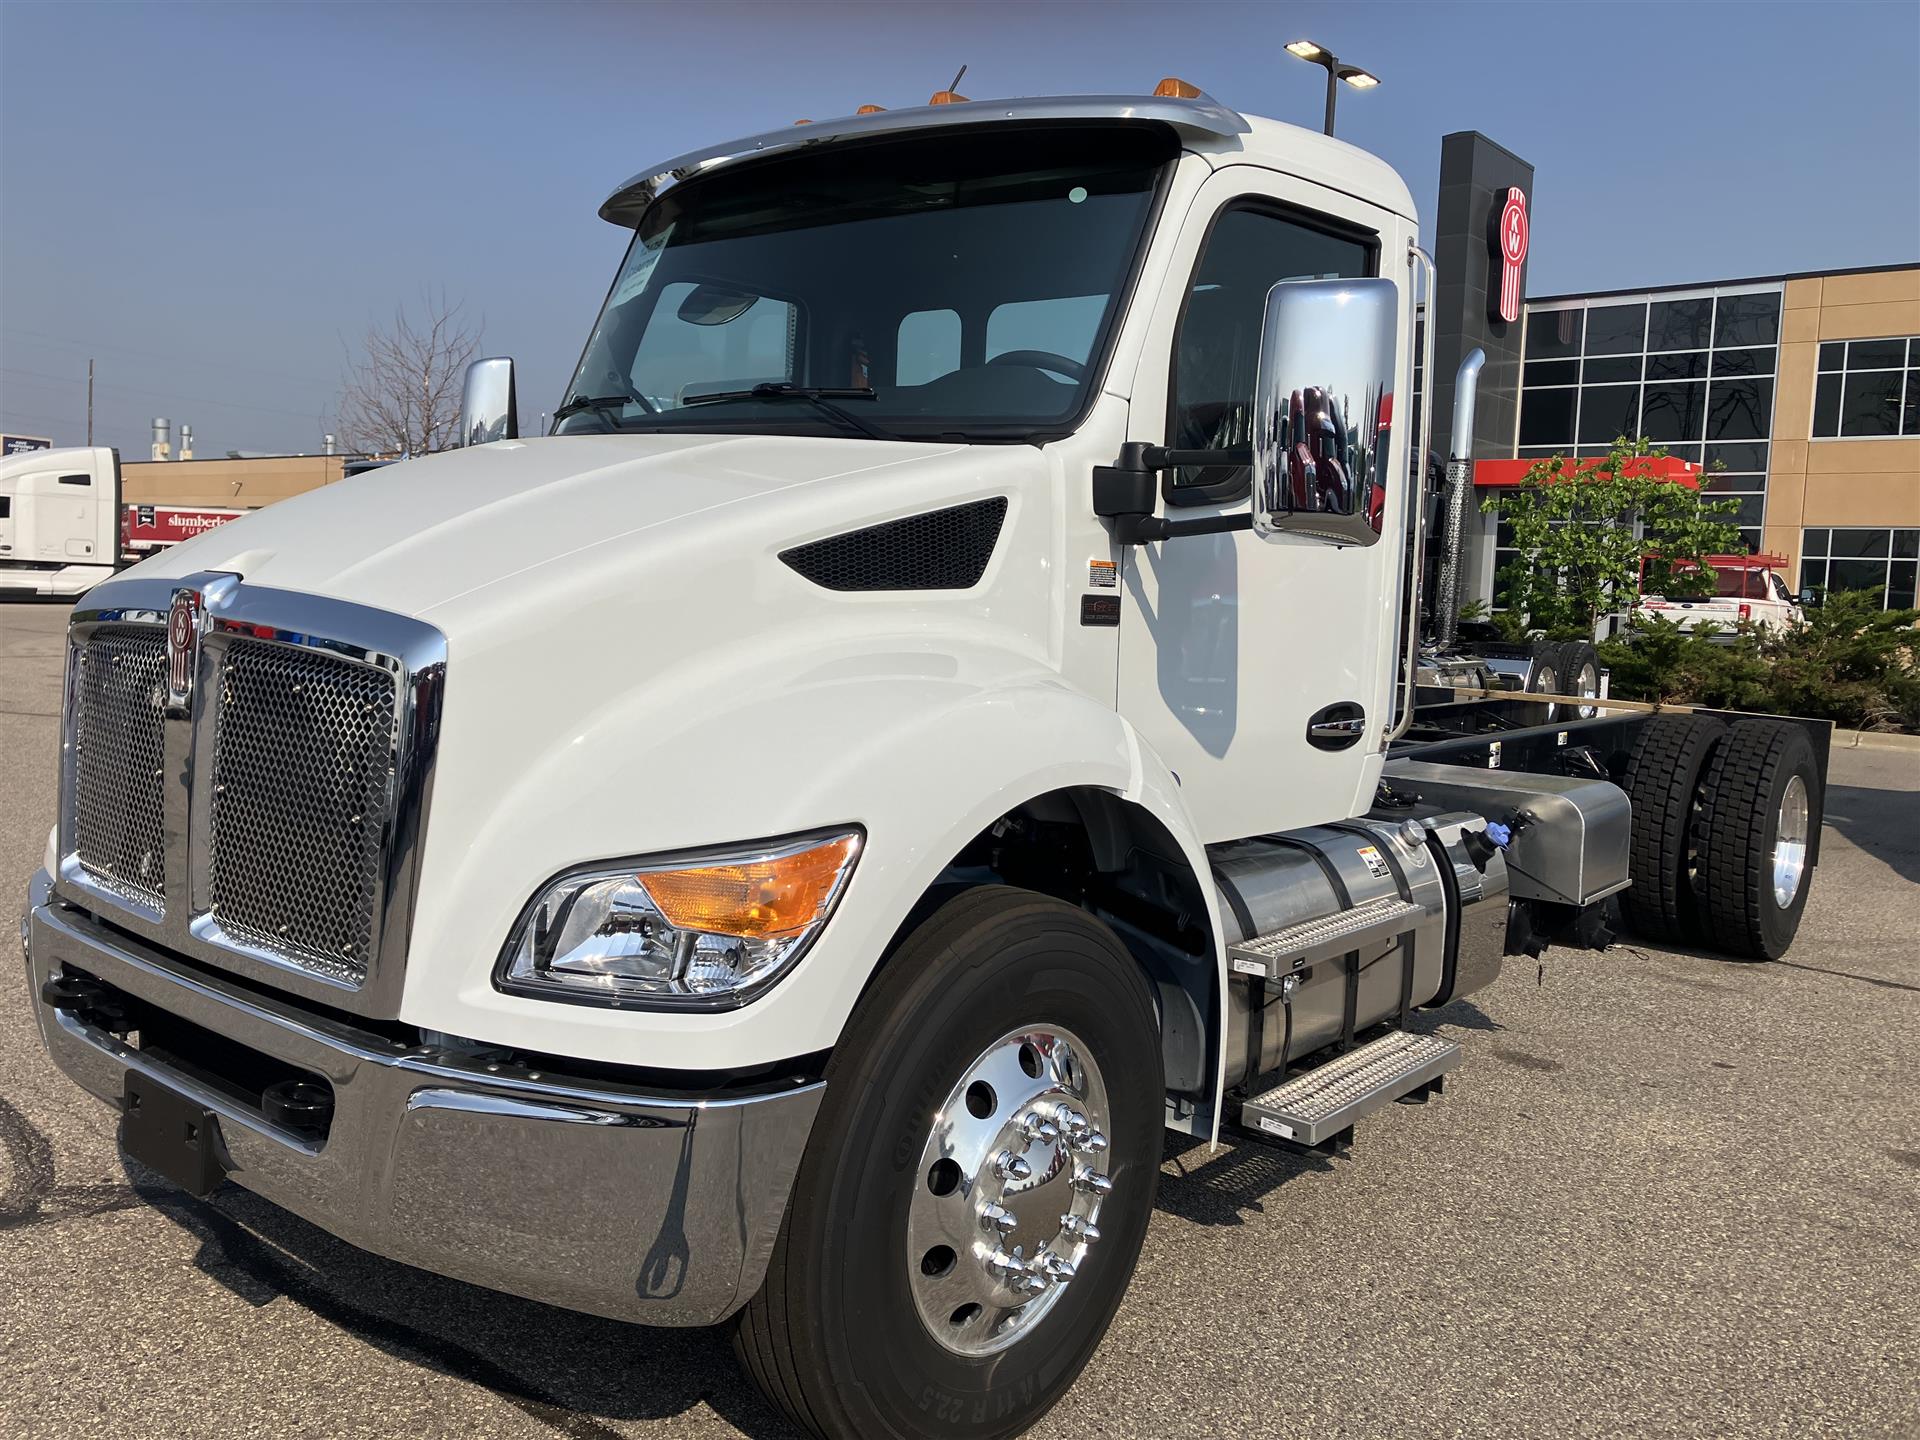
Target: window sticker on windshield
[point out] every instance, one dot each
(1103, 574)
(640, 270)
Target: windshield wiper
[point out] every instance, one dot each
(821, 397)
(605, 406)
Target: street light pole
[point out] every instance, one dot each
(1315, 54)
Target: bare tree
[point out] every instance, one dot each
(403, 397)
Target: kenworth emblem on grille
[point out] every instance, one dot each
(183, 648)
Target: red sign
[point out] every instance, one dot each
(1501, 474)
(152, 527)
(1510, 253)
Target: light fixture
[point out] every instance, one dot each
(1319, 55)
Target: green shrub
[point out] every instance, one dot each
(1851, 662)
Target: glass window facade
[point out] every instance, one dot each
(1694, 373)
(1862, 559)
(1867, 389)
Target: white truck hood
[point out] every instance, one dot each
(415, 537)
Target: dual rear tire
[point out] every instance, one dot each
(1724, 823)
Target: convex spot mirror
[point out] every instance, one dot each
(1322, 409)
(714, 305)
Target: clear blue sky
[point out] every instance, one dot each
(215, 201)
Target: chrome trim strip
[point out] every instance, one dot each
(410, 650)
(1203, 118)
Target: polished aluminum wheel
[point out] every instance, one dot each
(1586, 685)
(1008, 1190)
(1790, 843)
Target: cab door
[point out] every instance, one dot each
(1244, 661)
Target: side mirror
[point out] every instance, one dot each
(1323, 408)
(1809, 598)
(488, 407)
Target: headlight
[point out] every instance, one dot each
(700, 932)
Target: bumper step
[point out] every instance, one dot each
(1272, 956)
(1313, 1107)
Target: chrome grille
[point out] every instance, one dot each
(119, 693)
(302, 790)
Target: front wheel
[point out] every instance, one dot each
(978, 1183)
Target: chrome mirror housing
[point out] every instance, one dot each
(488, 407)
(1323, 408)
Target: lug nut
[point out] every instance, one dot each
(1056, 1268)
(998, 1217)
(1036, 1126)
(1081, 1227)
(1093, 1142)
(1091, 1182)
(1011, 1166)
(1072, 1122)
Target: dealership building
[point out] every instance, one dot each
(1797, 395)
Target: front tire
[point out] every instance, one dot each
(978, 1182)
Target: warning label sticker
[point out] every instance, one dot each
(1371, 857)
(1102, 574)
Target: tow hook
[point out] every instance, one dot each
(68, 993)
(300, 1105)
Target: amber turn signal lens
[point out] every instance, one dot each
(1173, 87)
(767, 899)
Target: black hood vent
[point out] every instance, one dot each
(940, 550)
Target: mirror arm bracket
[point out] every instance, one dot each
(1124, 492)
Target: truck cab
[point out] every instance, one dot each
(59, 520)
(783, 847)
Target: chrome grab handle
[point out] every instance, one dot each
(1337, 729)
(1400, 708)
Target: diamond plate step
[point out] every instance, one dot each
(1272, 956)
(1326, 1100)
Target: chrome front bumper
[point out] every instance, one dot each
(581, 1193)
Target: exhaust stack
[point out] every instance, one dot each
(1446, 590)
(162, 441)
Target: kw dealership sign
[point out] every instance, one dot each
(1507, 241)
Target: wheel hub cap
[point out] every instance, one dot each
(1009, 1190)
(1790, 843)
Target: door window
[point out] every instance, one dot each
(1246, 255)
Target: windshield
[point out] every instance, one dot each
(944, 286)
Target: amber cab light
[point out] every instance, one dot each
(1174, 88)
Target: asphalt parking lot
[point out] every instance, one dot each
(1667, 1195)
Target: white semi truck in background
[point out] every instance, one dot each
(64, 526)
(948, 702)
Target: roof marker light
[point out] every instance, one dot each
(870, 110)
(1174, 88)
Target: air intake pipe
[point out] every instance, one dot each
(1446, 590)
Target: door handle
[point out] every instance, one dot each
(1337, 726)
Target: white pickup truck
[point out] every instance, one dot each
(1748, 589)
(938, 711)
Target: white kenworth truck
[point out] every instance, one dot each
(946, 703)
